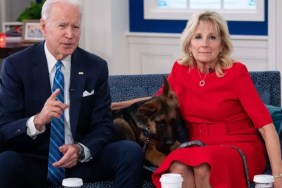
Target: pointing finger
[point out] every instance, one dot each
(54, 94)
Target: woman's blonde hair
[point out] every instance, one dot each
(220, 26)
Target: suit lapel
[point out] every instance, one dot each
(77, 86)
(40, 73)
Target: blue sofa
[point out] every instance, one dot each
(125, 87)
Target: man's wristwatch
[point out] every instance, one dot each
(81, 154)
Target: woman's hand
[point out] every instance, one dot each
(278, 182)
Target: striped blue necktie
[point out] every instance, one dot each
(57, 135)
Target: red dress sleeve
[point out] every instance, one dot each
(250, 99)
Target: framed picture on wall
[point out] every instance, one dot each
(31, 31)
(12, 29)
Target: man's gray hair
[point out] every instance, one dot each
(47, 6)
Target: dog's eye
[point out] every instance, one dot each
(160, 123)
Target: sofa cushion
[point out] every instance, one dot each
(126, 87)
(267, 84)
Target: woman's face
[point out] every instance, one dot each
(205, 44)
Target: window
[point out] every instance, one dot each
(235, 10)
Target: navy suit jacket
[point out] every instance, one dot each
(25, 87)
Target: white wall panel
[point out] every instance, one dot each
(156, 53)
(160, 62)
(106, 23)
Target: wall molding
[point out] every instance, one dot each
(156, 52)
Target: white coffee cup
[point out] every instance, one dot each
(171, 180)
(263, 181)
(72, 183)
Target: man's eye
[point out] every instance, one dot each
(75, 28)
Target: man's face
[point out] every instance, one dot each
(62, 30)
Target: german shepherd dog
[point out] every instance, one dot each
(151, 123)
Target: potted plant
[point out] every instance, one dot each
(33, 12)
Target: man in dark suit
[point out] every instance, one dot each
(28, 106)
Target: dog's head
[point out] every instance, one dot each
(160, 115)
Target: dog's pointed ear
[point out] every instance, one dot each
(166, 87)
(167, 90)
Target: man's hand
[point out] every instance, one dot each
(70, 158)
(52, 108)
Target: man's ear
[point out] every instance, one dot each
(43, 26)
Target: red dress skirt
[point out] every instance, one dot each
(222, 155)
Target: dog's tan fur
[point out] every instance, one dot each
(159, 116)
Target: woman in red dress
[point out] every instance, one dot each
(221, 108)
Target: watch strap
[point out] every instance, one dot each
(81, 154)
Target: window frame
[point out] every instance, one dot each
(151, 11)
